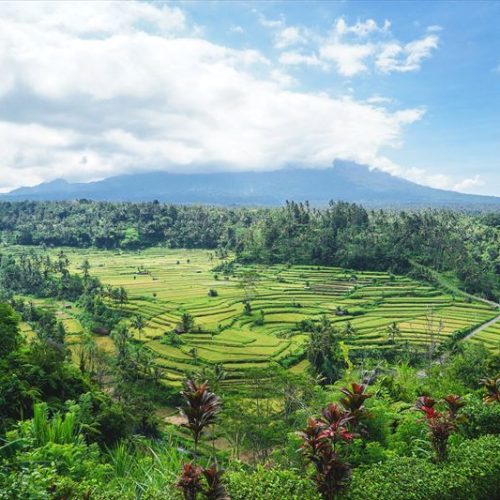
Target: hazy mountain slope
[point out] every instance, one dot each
(344, 181)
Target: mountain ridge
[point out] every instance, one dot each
(344, 181)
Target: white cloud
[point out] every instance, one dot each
(349, 58)
(362, 47)
(109, 96)
(270, 23)
(377, 99)
(395, 57)
(291, 58)
(468, 184)
(428, 177)
(236, 29)
(360, 29)
(292, 35)
(85, 19)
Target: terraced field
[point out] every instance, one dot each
(490, 336)
(162, 284)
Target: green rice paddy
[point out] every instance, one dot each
(162, 284)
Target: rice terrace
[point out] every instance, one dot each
(371, 310)
(249, 250)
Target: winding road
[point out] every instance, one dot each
(482, 327)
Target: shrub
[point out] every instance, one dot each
(481, 418)
(441, 424)
(410, 436)
(54, 470)
(470, 366)
(326, 440)
(247, 308)
(492, 388)
(213, 293)
(471, 473)
(269, 484)
(200, 408)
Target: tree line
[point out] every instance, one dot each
(466, 246)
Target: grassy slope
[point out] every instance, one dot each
(178, 281)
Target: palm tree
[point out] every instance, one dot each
(138, 323)
(186, 323)
(393, 331)
(87, 352)
(85, 268)
(348, 329)
(194, 353)
(122, 296)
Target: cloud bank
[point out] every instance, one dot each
(90, 90)
(357, 48)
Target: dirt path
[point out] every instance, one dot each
(482, 327)
(486, 301)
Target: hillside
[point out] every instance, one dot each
(345, 181)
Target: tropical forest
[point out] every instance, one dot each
(163, 351)
(249, 250)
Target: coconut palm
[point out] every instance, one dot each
(393, 331)
(138, 324)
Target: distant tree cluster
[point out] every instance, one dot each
(40, 275)
(342, 234)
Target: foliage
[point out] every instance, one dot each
(326, 440)
(322, 445)
(190, 482)
(341, 234)
(469, 365)
(353, 402)
(269, 484)
(200, 408)
(186, 324)
(492, 387)
(441, 423)
(68, 432)
(480, 418)
(470, 472)
(324, 352)
(9, 333)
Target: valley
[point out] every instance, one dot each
(372, 311)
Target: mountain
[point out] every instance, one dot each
(344, 181)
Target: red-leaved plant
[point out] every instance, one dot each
(215, 489)
(190, 482)
(354, 402)
(326, 441)
(492, 386)
(200, 408)
(441, 424)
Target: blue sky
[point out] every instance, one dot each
(97, 89)
(459, 85)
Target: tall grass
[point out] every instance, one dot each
(146, 468)
(60, 429)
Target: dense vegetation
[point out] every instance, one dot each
(84, 443)
(191, 309)
(343, 234)
(299, 380)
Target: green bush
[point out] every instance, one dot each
(52, 471)
(469, 366)
(410, 437)
(269, 484)
(481, 418)
(471, 473)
